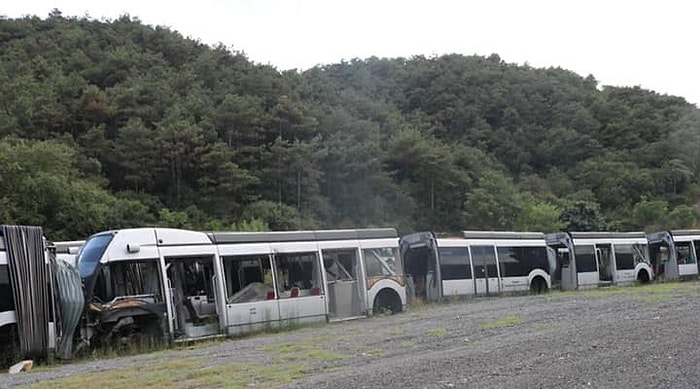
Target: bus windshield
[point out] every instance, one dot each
(90, 253)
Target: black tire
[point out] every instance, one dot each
(387, 302)
(538, 285)
(643, 277)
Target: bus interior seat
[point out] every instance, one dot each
(196, 317)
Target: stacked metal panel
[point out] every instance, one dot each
(30, 280)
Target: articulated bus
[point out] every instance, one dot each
(190, 285)
(476, 263)
(674, 253)
(592, 259)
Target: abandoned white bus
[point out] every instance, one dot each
(592, 259)
(476, 263)
(191, 284)
(674, 253)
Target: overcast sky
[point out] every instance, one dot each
(652, 44)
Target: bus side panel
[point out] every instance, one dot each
(588, 280)
(464, 287)
(625, 276)
(688, 270)
(515, 284)
(303, 309)
(252, 316)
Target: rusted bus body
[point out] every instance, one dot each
(192, 285)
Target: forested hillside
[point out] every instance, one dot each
(108, 124)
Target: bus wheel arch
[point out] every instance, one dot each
(538, 285)
(387, 301)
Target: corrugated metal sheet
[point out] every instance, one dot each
(71, 303)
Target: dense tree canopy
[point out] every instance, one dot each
(107, 124)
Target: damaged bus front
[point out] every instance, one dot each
(122, 288)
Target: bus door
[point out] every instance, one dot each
(420, 262)
(605, 263)
(659, 254)
(565, 272)
(299, 282)
(586, 266)
(486, 280)
(192, 279)
(251, 296)
(696, 246)
(344, 283)
(685, 258)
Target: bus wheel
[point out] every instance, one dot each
(387, 302)
(643, 276)
(538, 285)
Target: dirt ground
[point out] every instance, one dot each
(633, 337)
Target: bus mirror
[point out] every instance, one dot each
(133, 248)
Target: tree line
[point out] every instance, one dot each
(113, 123)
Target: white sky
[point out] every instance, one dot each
(652, 44)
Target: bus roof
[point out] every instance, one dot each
(513, 235)
(671, 235)
(606, 235)
(293, 236)
(684, 232)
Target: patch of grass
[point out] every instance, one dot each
(309, 350)
(438, 332)
(109, 351)
(417, 303)
(161, 374)
(650, 298)
(188, 373)
(322, 355)
(665, 288)
(505, 321)
(244, 375)
(284, 348)
(407, 344)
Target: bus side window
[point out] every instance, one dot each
(249, 278)
(297, 273)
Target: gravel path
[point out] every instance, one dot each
(642, 337)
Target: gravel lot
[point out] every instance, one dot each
(641, 337)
